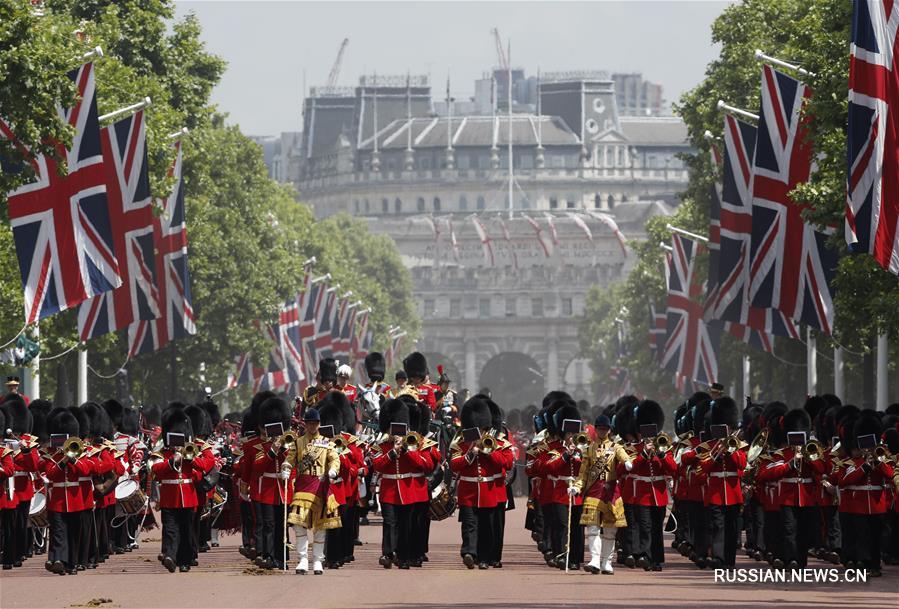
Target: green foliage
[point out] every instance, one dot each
(814, 34)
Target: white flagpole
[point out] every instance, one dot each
(883, 350)
(839, 380)
(747, 370)
(145, 102)
(33, 372)
(82, 376)
(734, 110)
(811, 363)
(686, 233)
(760, 56)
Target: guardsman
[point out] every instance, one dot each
(344, 372)
(649, 471)
(723, 465)
(62, 468)
(202, 427)
(326, 380)
(603, 512)
(337, 416)
(26, 460)
(766, 487)
(416, 367)
(174, 469)
(312, 464)
(864, 479)
(243, 470)
(403, 469)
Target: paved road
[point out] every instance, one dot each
(224, 579)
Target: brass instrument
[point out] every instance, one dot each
(190, 451)
(882, 453)
(73, 448)
(758, 446)
(153, 459)
(412, 441)
(662, 443)
(813, 450)
(582, 441)
(487, 444)
(288, 440)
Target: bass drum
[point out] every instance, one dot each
(443, 501)
(129, 496)
(37, 512)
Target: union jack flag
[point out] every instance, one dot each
(729, 245)
(691, 344)
(393, 350)
(872, 198)
(324, 337)
(173, 299)
(657, 330)
(289, 341)
(243, 371)
(60, 224)
(791, 268)
(131, 216)
(347, 325)
(274, 375)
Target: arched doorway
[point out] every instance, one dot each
(514, 380)
(577, 378)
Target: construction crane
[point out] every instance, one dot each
(335, 69)
(500, 53)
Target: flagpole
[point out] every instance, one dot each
(33, 372)
(145, 102)
(82, 376)
(747, 372)
(839, 380)
(811, 363)
(760, 56)
(686, 233)
(883, 350)
(179, 134)
(734, 110)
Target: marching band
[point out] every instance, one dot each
(785, 485)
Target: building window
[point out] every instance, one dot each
(597, 201)
(511, 306)
(356, 206)
(481, 203)
(483, 161)
(424, 162)
(429, 307)
(463, 161)
(455, 307)
(571, 203)
(526, 161)
(537, 307)
(611, 201)
(436, 203)
(420, 204)
(567, 307)
(385, 206)
(484, 307)
(365, 205)
(463, 203)
(553, 203)
(398, 206)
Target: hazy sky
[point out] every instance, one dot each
(268, 45)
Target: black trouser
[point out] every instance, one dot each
(724, 531)
(23, 530)
(650, 519)
(699, 528)
(798, 525)
(177, 530)
(892, 547)
(87, 547)
(270, 531)
(335, 543)
(500, 530)
(396, 531)
(773, 533)
(831, 533)
(101, 521)
(555, 516)
(627, 536)
(421, 529)
(682, 534)
(247, 525)
(755, 525)
(8, 524)
(479, 530)
(862, 542)
(64, 537)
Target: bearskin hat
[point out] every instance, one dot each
(751, 423)
(174, 420)
(114, 409)
(679, 419)
(152, 414)
(650, 413)
(130, 424)
(513, 419)
(539, 420)
(699, 397)
(797, 420)
(415, 365)
(419, 414)
(814, 405)
(826, 424)
(40, 410)
(623, 418)
(724, 411)
(566, 411)
(327, 370)
(100, 425)
(496, 415)
(333, 409)
(84, 423)
(199, 421)
(18, 417)
(555, 396)
(867, 423)
(832, 400)
(476, 413)
(375, 366)
(773, 418)
(392, 411)
(891, 439)
(212, 409)
(63, 421)
(248, 422)
(274, 410)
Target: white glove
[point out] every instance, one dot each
(572, 491)
(332, 474)
(285, 473)
(628, 465)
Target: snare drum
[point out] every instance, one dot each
(37, 513)
(129, 496)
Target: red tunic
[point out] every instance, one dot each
(648, 478)
(64, 486)
(176, 486)
(796, 488)
(7, 472)
(266, 470)
(864, 490)
(482, 478)
(403, 474)
(26, 462)
(724, 474)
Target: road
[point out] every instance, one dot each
(225, 579)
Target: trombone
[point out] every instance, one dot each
(73, 448)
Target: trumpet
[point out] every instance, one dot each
(882, 453)
(758, 446)
(487, 444)
(412, 441)
(662, 443)
(813, 450)
(582, 441)
(73, 448)
(288, 440)
(190, 451)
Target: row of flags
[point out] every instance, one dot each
(95, 238)
(317, 323)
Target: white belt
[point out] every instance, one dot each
(336, 480)
(649, 478)
(480, 478)
(63, 484)
(179, 481)
(723, 474)
(85, 479)
(402, 476)
(863, 487)
(797, 480)
(21, 474)
(561, 478)
(271, 475)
